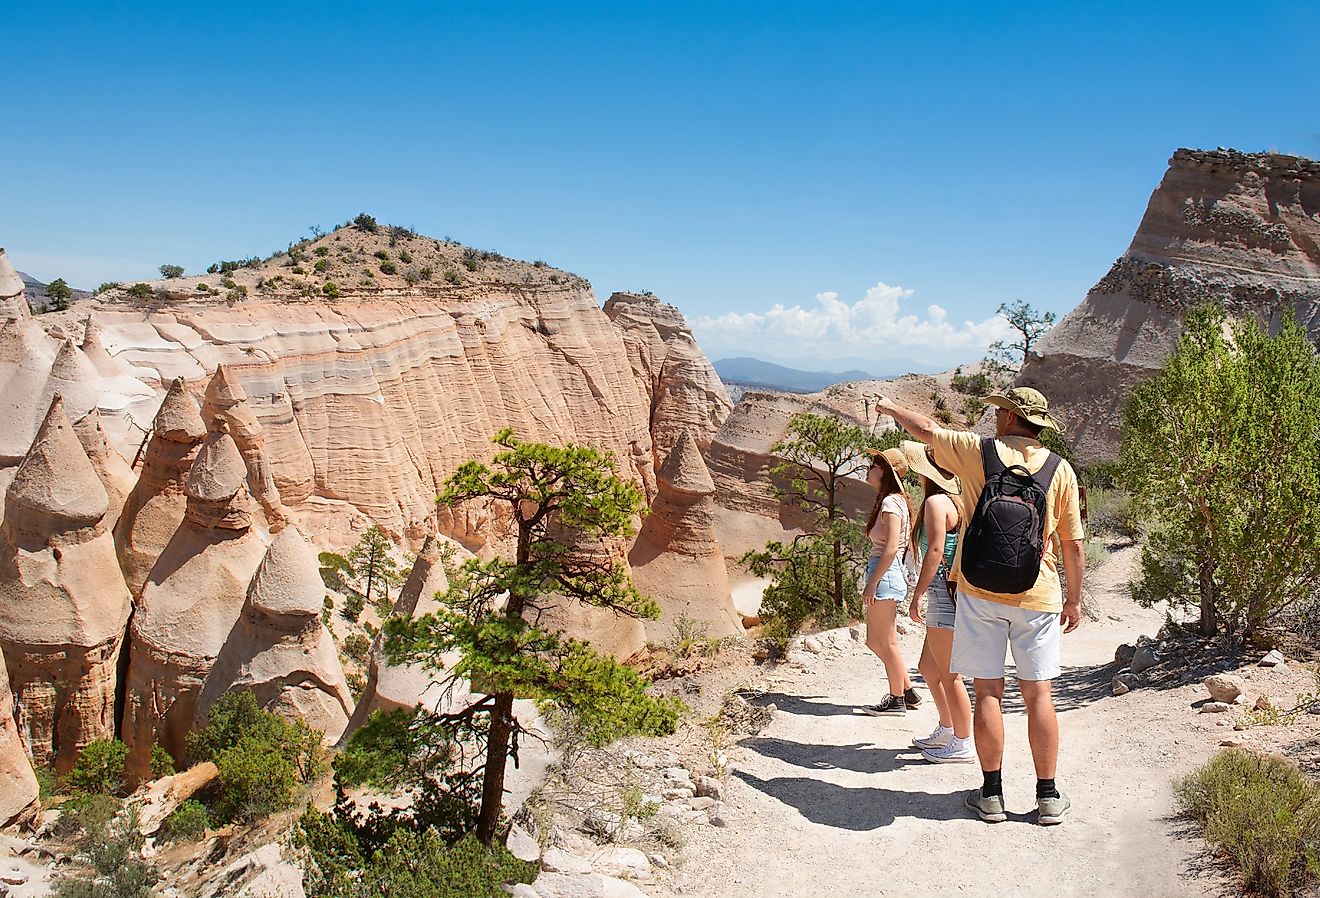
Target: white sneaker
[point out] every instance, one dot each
(955, 751)
(938, 737)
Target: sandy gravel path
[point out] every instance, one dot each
(828, 801)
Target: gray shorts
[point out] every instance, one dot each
(986, 630)
(940, 610)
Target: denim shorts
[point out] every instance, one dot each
(892, 586)
(939, 606)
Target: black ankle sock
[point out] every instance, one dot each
(1046, 789)
(993, 785)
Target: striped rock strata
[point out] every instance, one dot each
(19, 794)
(1236, 229)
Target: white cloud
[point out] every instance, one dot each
(874, 326)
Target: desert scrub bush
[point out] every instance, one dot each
(162, 764)
(977, 385)
(262, 758)
(382, 255)
(388, 268)
(540, 263)
(321, 251)
(105, 286)
(86, 813)
(141, 291)
(357, 685)
(1263, 813)
(409, 864)
(99, 768)
(113, 851)
(330, 289)
(944, 415)
(405, 257)
(1111, 512)
(356, 647)
(471, 259)
(354, 603)
(451, 276)
(298, 269)
(426, 272)
(186, 823)
(321, 266)
(171, 271)
(203, 287)
(365, 222)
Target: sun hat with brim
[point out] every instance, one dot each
(893, 458)
(920, 462)
(1028, 404)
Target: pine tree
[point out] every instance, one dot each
(1222, 451)
(491, 611)
(372, 565)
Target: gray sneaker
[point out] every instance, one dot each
(1052, 810)
(889, 705)
(991, 809)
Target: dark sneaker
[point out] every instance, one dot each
(1053, 810)
(991, 809)
(891, 704)
(911, 698)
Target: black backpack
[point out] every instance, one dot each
(1006, 539)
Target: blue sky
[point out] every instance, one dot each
(730, 157)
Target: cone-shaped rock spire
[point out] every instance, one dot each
(19, 795)
(13, 304)
(677, 559)
(63, 602)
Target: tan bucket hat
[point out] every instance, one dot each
(919, 461)
(1026, 403)
(894, 458)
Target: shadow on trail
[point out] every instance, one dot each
(800, 704)
(861, 757)
(1075, 688)
(856, 809)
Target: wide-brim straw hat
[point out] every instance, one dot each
(1028, 404)
(920, 462)
(894, 459)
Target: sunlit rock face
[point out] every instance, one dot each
(63, 601)
(191, 602)
(19, 794)
(677, 559)
(1240, 230)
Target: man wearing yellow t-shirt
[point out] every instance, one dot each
(987, 624)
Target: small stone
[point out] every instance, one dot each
(701, 802)
(556, 860)
(1215, 707)
(1263, 703)
(901, 627)
(523, 890)
(801, 660)
(1123, 654)
(522, 846)
(1124, 682)
(1235, 739)
(658, 860)
(1223, 688)
(1273, 658)
(718, 815)
(678, 794)
(1146, 655)
(678, 775)
(812, 644)
(856, 634)
(625, 863)
(710, 786)
(1314, 709)
(641, 760)
(603, 823)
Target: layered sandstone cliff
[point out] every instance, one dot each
(63, 601)
(1240, 230)
(19, 793)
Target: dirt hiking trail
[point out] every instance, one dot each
(828, 801)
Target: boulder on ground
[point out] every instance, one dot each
(1224, 687)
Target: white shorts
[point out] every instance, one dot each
(983, 631)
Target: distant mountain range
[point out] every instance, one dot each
(752, 372)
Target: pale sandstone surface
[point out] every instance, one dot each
(677, 559)
(226, 400)
(18, 784)
(280, 650)
(116, 475)
(684, 392)
(13, 305)
(155, 507)
(1239, 230)
(191, 603)
(63, 602)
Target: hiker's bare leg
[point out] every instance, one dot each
(882, 638)
(1042, 726)
(988, 722)
(957, 706)
(930, 669)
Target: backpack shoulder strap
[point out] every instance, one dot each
(1045, 476)
(990, 458)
